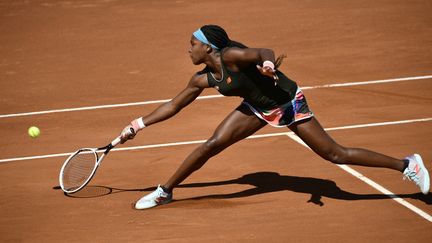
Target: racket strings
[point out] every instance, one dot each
(79, 169)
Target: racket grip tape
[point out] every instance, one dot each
(116, 141)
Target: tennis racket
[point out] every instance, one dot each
(81, 166)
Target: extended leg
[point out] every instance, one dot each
(312, 133)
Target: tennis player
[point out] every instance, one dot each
(269, 97)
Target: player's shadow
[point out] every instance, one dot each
(264, 182)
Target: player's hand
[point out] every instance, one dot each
(127, 133)
(132, 129)
(268, 70)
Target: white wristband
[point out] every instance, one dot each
(138, 124)
(141, 123)
(268, 64)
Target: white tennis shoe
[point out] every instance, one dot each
(158, 197)
(417, 173)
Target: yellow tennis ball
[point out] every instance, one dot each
(33, 132)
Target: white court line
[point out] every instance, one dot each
(368, 82)
(373, 183)
(207, 97)
(202, 141)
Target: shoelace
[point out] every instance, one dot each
(411, 176)
(161, 196)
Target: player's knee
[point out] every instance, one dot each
(336, 155)
(213, 145)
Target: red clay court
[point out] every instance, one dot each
(81, 70)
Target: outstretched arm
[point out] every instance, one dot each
(167, 110)
(184, 98)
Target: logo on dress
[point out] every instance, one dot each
(228, 80)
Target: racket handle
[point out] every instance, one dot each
(116, 141)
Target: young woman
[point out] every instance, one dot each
(269, 97)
